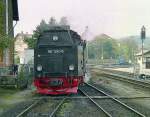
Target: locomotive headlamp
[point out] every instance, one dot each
(55, 38)
(71, 67)
(39, 68)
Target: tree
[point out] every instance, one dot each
(103, 47)
(6, 41)
(43, 26)
(128, 48)
(52, 21)
(64, 21)
(2, 18)
(31, 42)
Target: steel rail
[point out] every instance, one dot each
(123, 104)
(129, 80)
(28, 109)
(121, 75)
(36, 102)
(58, 106)
(95, 103)
(97, 97)
(120, 72)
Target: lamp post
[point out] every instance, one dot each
(143, 35)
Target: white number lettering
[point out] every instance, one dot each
(55, 51)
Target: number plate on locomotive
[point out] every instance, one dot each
(55, 51)
(55, 83)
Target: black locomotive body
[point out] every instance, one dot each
(59, 61)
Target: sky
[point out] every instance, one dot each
(116, 18)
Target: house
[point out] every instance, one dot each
(21, 46)
(146, 59)
(29, 56)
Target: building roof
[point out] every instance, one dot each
(145, 52)
(24, 34)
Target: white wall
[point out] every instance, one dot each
(29, 56)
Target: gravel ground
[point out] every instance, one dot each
(79, 108)
(141, 105)
(15, 101)
(115, 109)
(124, 89)
(111, 106)
(14, 110)
(44, 108)
(70, 108)
(90, 91)
(11, 98)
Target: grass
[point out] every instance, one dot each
(7, 93)
(65, 108)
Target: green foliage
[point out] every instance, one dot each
(1, 18)
(103, 47)
(31, 42)
(39, 29)
(17, 60)
(43, 26)
(64, 21)
(107, 48)
(22, 78)
(52, 21)
(128, 48)
(5, 42)
(21, 73)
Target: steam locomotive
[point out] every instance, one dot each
(59, 61)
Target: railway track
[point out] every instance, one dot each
(32, 111)
(125, 73)
(57, 108)
(103, 101)
(115, 103)
(123, 78)
(37, 103)
(24, 112)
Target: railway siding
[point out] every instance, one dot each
(122, 88)
(128, 79)
(120, 107)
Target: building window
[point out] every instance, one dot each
(147, 62)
